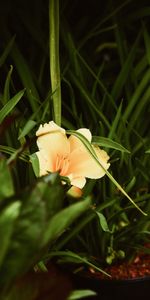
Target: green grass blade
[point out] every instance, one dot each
(147, 43)
(90, 101)
(10, 105)
(27, 128)
(71, 256)
(6, 95)
(108, 143)
(124, 73)
(140, 107)
(145, 80)
(140, 67)
(11, 151)
(54, 58)
(6, 51)
(101, 84)
(113, 129)
(25, 75)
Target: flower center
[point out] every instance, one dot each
(62, 164)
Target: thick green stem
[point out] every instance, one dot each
(54, 58)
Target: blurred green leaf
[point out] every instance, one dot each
(26, 235)
(147, 43)
(6, 183)
(63, 219)
(79, 294)
(7, 222)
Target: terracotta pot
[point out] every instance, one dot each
(127, 289)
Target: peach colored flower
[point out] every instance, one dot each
(68, 156)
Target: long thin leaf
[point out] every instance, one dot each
(122, 77)
(6, 51)
(6, 95)
(93, 154)
(54, 58)
(77, 258)
(63, 219)
(108, 143)
(9, 106)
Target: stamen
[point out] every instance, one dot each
(62, 164)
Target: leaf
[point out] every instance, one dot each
(103, 221)
(6, 51)
(79, 294)
(6, 95)
(27, 128)
(7, 219)
(85, 93)
(39, 203)
(6, 183)
(147, 43)
(25, 75)
(123, 75)
(10, 105)
(108, 143)
(26, 236)
(89, 148)
(69, 256)
(63, 219)
(14, 152)
(137, 95)
(35, 164)
(115, 123)
(147, 151)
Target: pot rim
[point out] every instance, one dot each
(114, 280)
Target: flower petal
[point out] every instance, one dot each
(78, 182)
(53, 141)
(82, 164)
(45, 163)
(75, 142)
(49, 127)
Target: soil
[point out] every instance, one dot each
(139, 267)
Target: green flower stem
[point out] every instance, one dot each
(54, 58)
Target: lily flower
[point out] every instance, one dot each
(68, 156)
